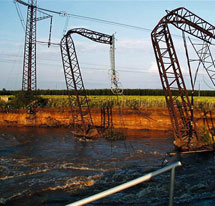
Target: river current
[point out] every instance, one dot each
(52, 167)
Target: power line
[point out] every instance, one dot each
(120, 68)
(20, 15)
(67, 15)
(109, 22)
(88, 68)
(64, 14)
(86, 63)
(98, 69)
(98, 20)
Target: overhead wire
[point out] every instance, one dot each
(20, 15)
(130, 69)
(98, 69)
(64, 14)
(51, 43)
(66, 25)
(98, 20)
(68, 15)
(86, 63)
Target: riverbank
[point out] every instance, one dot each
(140, 119)
(147, 119)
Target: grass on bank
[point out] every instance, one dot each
(132, 102)
(127, 101)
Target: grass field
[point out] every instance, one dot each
(128, 101)
(62, 101)
(99, 101)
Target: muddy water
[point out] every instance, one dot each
(52, 167)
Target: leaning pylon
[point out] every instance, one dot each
(180, 108)
(74, 81)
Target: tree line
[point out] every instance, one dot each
(108, 92)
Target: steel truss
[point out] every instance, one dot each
(72, 72)
(29, 79)
(179, 105)
(205, 58)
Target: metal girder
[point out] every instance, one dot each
(179, 105)
(24, 3)
(187, 21)
(206, 59)
(208, 121)
(72, 72)
(29, 80)
(92, 35)
(43, 16)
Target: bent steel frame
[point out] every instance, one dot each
(205, 58)
(180, 108)
(72, 72)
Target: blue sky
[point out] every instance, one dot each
(135, 59)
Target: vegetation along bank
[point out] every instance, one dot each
(129, 112)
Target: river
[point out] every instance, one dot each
(52, 167)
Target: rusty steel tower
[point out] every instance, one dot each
(179, 104)
(29, 78)
(73, 77)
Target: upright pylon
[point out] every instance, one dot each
(29, 81)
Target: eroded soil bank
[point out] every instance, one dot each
(144, 119)
(132, 120)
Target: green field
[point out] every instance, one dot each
(99, 101)
(62, 101)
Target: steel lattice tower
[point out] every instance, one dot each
(179, 105)
(29, 82)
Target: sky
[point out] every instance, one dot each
(135, 60)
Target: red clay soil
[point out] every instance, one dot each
(151, 119)
(144, 119)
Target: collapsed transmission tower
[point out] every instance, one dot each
(178, 103)
(73, 77)
(29, 79)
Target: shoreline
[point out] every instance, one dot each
(140, 119)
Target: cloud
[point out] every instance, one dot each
(89, 47)
(133, 45)
(123, 46)
(76, 26)
(153, 68)
(11, 43)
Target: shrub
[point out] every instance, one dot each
(205, 134)
(3, 104)
(111, 134)
(26, 99)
